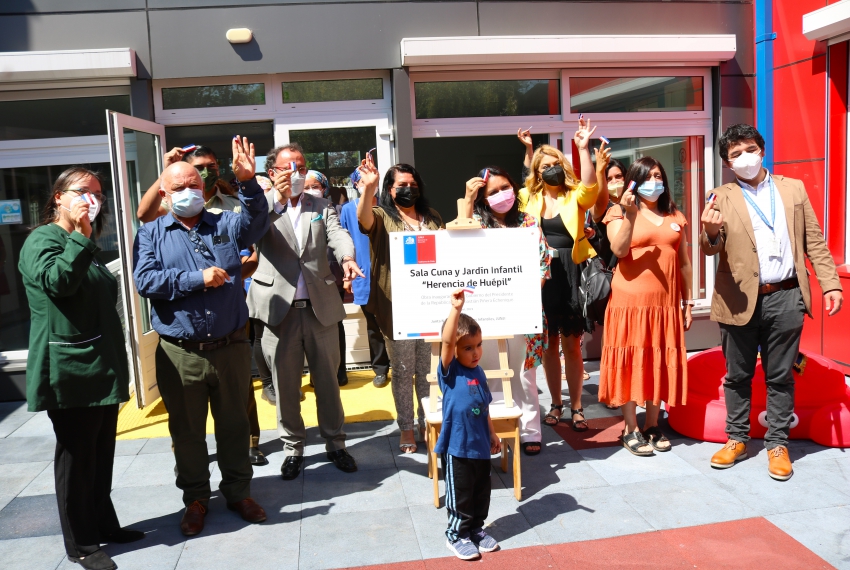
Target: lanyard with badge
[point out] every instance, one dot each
(773, 249)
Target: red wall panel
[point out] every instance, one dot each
(812, 175)
(812, 338)
(799, 117)
(837, 152)
(790, 44)
(836, 338)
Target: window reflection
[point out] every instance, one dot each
(635, 94)
(448, 99)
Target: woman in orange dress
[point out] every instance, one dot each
(644, 360)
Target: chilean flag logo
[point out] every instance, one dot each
(419, 249)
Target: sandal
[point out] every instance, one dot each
(527, 444)
(656, 438)
(552, 420)
(580, 425)
(634, 441)
(407, 447)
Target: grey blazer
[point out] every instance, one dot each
(280, 262)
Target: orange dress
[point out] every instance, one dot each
(643, 347)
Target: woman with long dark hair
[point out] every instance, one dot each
(644, 360)
(496, 205)
(77, 366)
(402, 207)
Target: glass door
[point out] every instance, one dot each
(136, 150)
(335, 148)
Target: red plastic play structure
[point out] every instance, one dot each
(821, 401)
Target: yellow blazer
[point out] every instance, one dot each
(571, 207)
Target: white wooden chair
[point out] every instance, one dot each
(505, 414)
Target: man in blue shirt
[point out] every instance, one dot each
(360, 287)
(187, 263)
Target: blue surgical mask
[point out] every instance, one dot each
(651, 190)
(188, 202)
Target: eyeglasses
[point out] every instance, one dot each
(81, 191)
(302, 170)
(199, 243)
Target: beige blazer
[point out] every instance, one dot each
(281, 261)
(737, 278)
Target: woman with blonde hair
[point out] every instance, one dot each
(559, 201)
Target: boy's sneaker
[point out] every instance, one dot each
(464, 549)
(484, 541)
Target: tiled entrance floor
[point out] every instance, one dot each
(573, 500)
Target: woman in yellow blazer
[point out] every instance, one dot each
(559, 201)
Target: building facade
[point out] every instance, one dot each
(441, 85)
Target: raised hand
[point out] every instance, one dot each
(629, 203)
(369, 174)
(603, 157)
(524, 137)
(80, 217)
(473, 185)
(583, 134)
(172, 156)
(458, 298)
(244, 160)
(712, 220)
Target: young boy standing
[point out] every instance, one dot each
(467, 439)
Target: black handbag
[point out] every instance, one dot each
(595, 290)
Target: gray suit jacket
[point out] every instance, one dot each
(280, 262)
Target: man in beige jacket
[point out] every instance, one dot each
(763, 227)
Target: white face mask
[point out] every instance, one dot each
(297, 180)
(316, 193)
(94, 205)
(615, 187)
(747, 166)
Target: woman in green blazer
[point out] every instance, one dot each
(77, 367)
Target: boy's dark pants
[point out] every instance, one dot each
(467, 494)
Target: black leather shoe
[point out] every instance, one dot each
(256, 456)
(342, 460)
(122, 536)
(342, 377)
(97, 560)
(381, 380)
(291, 467)
(269, 395)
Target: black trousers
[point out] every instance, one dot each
(377, 347)
(257, 328)
(776, 327)
(467, 494)
(85, 451)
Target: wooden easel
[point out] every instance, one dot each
(505, 415)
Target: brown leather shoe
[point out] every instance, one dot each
(731, 453)
(779, 463)
(249, 510)
(193, 519)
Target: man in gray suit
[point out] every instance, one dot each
(294, 293)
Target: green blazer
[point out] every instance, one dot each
(77, 356)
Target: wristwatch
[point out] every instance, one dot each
(688, 303)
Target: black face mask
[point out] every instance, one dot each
(406, 196)
(554, 175)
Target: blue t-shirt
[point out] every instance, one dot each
(466, 407)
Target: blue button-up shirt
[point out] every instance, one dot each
(348, 220)
(169, 268)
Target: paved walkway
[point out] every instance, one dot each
(383, 513)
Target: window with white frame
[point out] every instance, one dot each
(337, 117)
